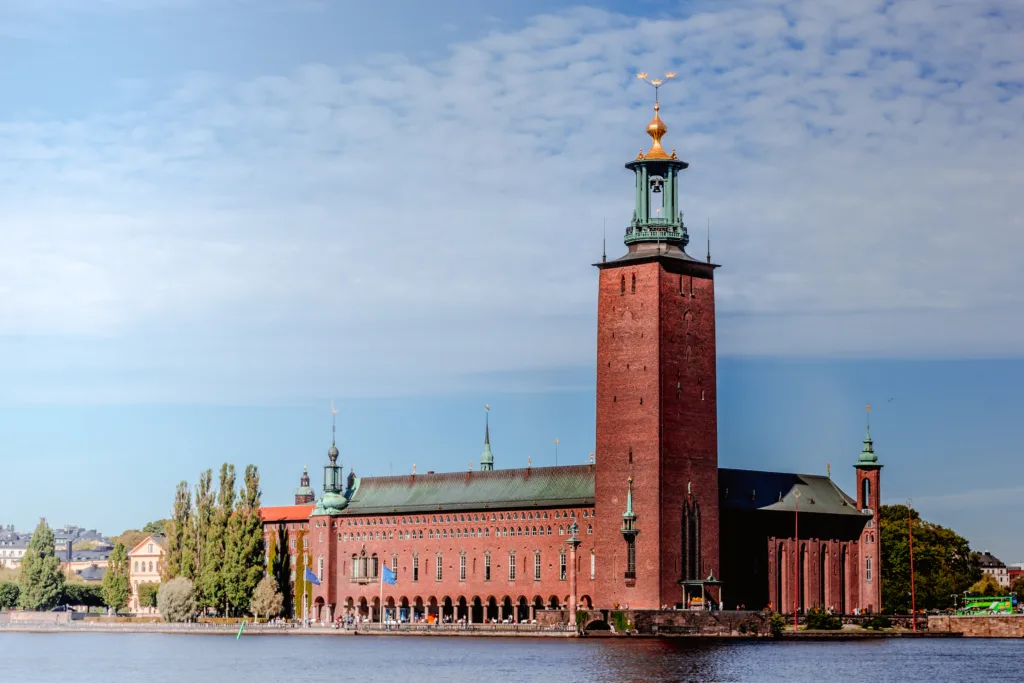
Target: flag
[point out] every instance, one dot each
(311, 577)
(388, 576)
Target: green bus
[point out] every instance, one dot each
(1001, 604)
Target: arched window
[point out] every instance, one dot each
(867, 569)
(136, 565)
(487, 566)
(374, 566)
(633, 285)
(549, 531)
(561, 566)
(561, 530)
(439, 567)
(590, 529)
(865, 493)
(622, 286)
(355, 566)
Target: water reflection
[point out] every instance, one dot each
(98, 658)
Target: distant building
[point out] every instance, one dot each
(12, 548)
(77, 561)
(994, 567)
(145, 561)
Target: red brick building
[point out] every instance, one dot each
(657, 523)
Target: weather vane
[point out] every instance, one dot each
(656, 83)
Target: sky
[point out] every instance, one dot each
(216, 216)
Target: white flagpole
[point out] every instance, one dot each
(382, 594)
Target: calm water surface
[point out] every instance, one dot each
(155, 658)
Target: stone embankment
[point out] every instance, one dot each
(990, 626)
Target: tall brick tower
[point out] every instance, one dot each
(657, 429)
(869, 476)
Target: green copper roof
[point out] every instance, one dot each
(628, 514)
(487, 458)
(754, 490)
(868, 457)
(495, 490)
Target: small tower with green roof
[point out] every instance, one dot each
(869, 493)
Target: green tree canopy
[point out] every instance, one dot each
(9, 592)
(130, 538)
(116, 587)
(41, 581)
(943, 562)
(987, 585)
(1017, 586)
(156, 527)
(147, 594)
(179, 559)
(245, 552)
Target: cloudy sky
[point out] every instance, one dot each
(230, 212)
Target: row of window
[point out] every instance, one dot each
(368, 567)
(137, 563)
(485, 532)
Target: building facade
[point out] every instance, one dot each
(651, 523)
(145, 563)
(994, 567)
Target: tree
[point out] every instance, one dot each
(1017, 586)
(211, 577)
(986, 586)
(130, 538)
(9, 595)
(179, 559)
(303, 589)
(174, 600)
(266, 599)
(41, 581)
(202, 519)
(943, 562)
(116, 587)
(147, 594)
(244, 546)
(157, 527)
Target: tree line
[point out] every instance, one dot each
(215, 541)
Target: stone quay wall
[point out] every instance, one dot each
(1007, 626)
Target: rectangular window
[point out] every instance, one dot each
(462, 567)
(536, 566)
(394, 564)
(415, 567)
(487, 567)
(561, 566)
(292, 543)
(440, 566)
(867, 570)
(630, 558)
(593, 564)
(511, 566)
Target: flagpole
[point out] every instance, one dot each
(381, 596)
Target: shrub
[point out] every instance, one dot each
(876, 623)
(147, 594)
(776, 624)
(9, 593)
(619, 620)
(820, 620)
(175, 601)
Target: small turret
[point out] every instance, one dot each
(304, 495)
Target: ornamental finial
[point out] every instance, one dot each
(656, 128)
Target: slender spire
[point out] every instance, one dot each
(604, 242)
(709, 240)
(487, 457)
(332, 453)
(628, 514)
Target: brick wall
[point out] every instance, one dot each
(979, 627)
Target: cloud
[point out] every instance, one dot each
(396, 226)
(975, 498)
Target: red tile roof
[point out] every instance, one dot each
(286, 513)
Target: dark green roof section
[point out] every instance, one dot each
(567, 485)
(775, 491)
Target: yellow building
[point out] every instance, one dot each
(145, 561)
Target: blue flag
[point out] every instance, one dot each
(311, 577)
(388, 576)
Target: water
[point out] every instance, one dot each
(156, 658)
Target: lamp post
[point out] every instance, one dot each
(913, 596)
(954, 596)
(796, 558)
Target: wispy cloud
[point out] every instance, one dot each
(393, 225)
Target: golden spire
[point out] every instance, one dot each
(656, 128)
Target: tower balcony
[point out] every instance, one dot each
(657, 230)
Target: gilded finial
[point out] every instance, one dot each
(656, 128)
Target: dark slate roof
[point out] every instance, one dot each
(755, 490)
(989, 561)
(89, 555)
(497, 489)
(93, 573)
